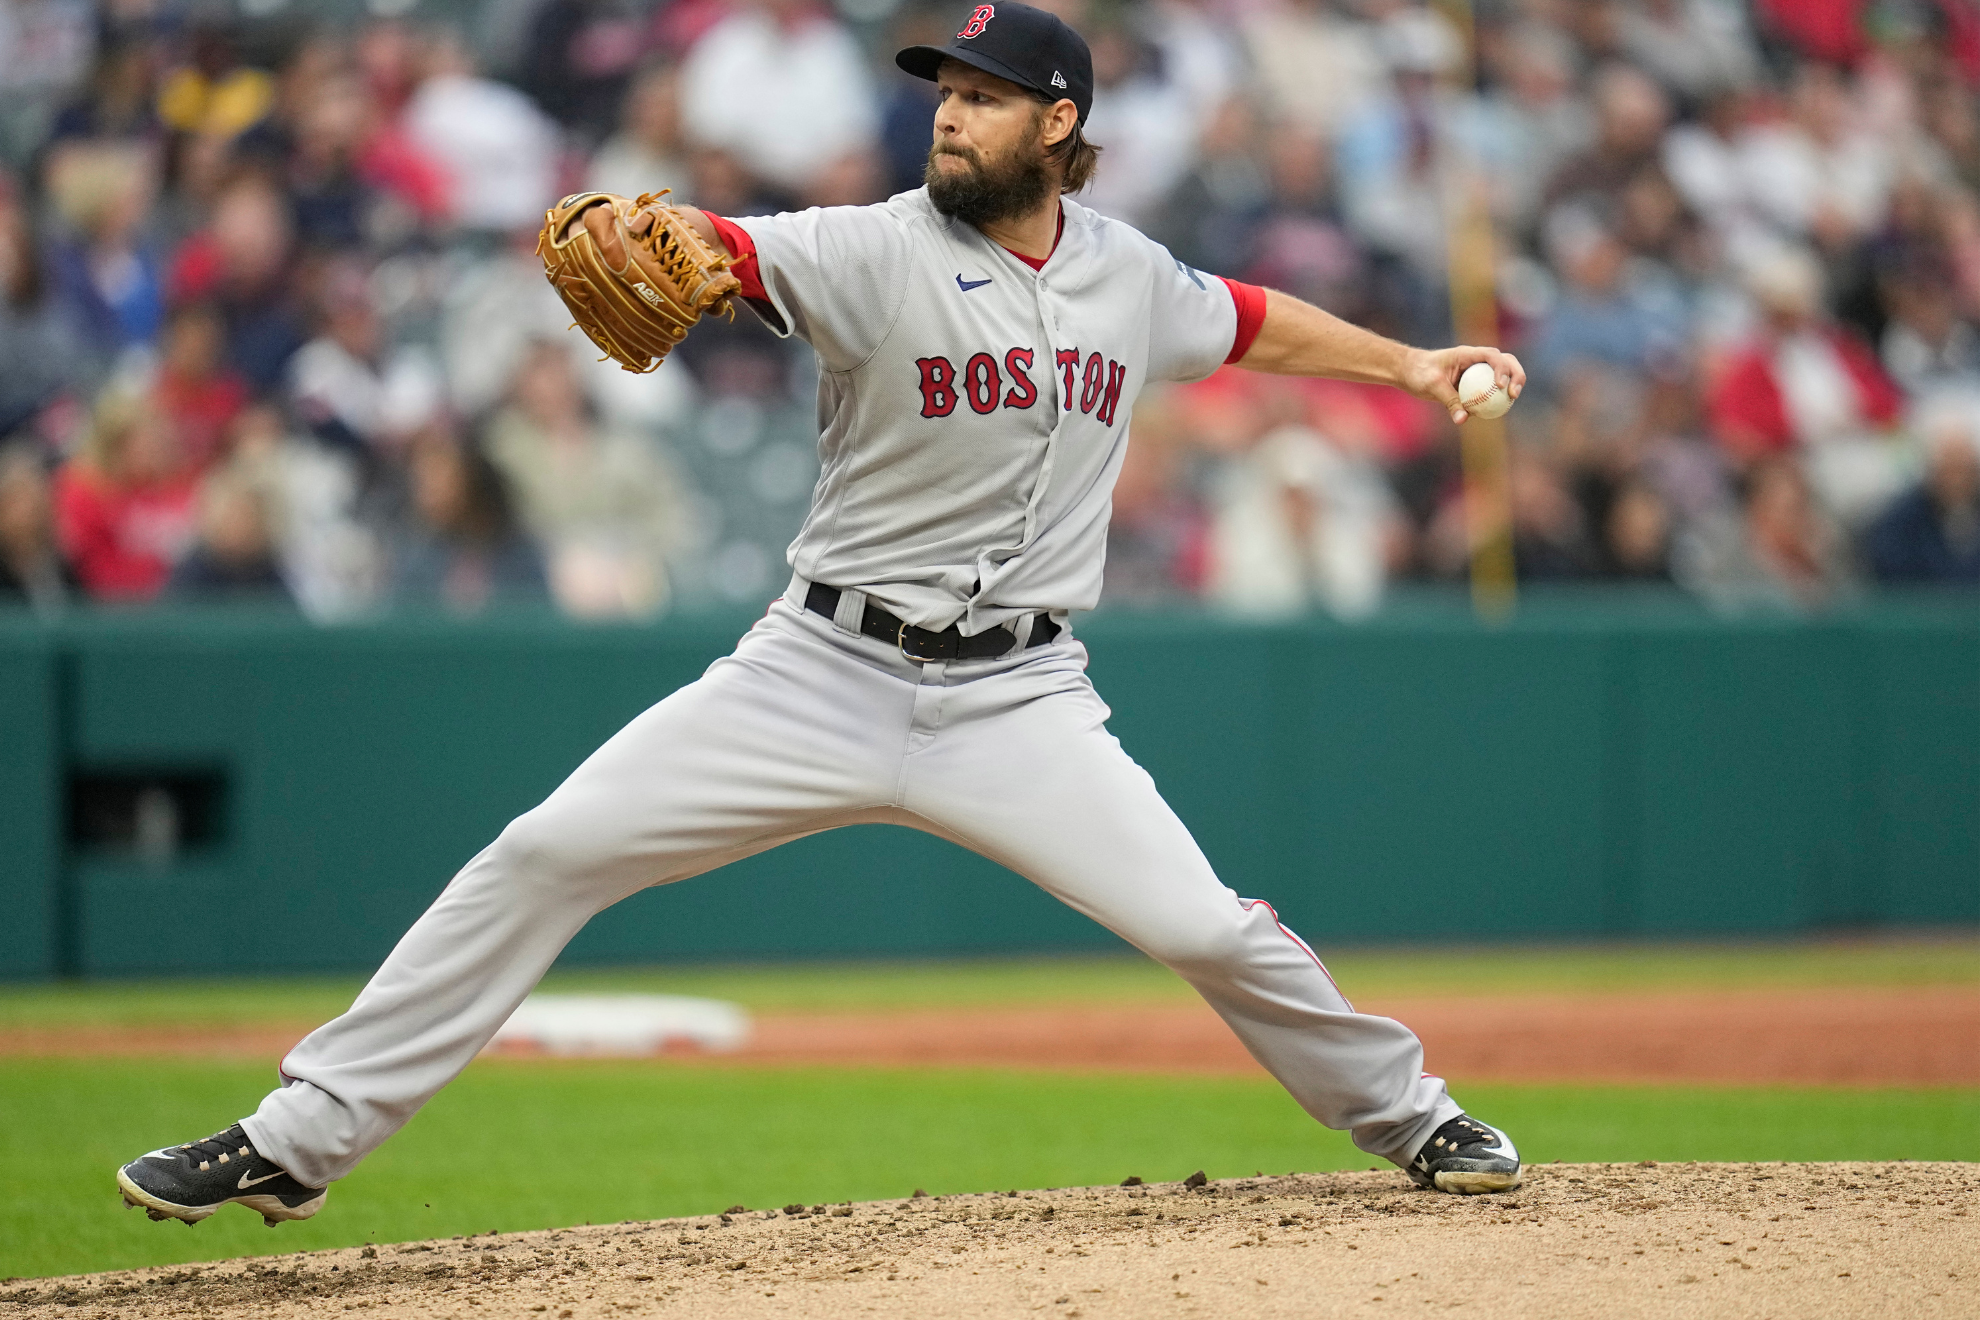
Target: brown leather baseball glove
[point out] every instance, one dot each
(634, 273)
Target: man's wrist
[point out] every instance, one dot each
(1408, 365)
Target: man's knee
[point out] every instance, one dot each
(1202, 940)
(540, 846)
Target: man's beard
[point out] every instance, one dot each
(988, 192)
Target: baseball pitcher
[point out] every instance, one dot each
(980, 342)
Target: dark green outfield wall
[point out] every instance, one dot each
(1591, 770)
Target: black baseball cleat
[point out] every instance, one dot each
(1466, 1157)
(190, 1182)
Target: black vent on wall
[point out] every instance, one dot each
(151, 813)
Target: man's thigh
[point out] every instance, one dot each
(1039, 785)
(782, 738)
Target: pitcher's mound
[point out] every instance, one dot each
(1607, 1240)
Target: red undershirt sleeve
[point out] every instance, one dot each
(1250, 300)
(743, 249)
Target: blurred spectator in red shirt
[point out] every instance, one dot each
(197, 394)
(1804, 384)
(1831, 31)
(124, 505)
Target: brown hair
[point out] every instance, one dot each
(1072, 153)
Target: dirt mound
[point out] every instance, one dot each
(1729, 1240)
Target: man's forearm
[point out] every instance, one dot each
(1299, 339)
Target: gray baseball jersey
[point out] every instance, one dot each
(974, 411)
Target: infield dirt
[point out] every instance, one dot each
(1850, 1036)
(1728, 1240)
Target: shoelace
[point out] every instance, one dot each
(1467, 1133)
(222, 1147)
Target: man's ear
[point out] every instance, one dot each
(1061, 117)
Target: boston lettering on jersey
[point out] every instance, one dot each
(1097, 385)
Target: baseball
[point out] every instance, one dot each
(1480, 393)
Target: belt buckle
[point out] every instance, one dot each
(900, 640)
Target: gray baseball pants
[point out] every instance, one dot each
(809, 726)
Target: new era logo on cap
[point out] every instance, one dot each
(981, 16)
(1058, 79)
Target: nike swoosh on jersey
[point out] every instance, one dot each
(967, 285)
(247, 1182)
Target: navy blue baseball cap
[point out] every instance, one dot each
(1027, 46)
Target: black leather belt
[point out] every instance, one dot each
(920, 643)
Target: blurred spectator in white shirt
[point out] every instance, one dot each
(646, 154)
(332, 563)
(1298, 522)
(346, 387)
(1396, 158)
(497, 147)
(1198, 52)
(1536, 118)
(1928, 348)
(1695, 48)
(1145, 123)
(1296, 518)
(1702, 158)
(1819, 174)
(603, 504)
(1315, 65)
(784, 88)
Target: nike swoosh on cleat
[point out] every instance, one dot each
(967, 285)
(247, 1182)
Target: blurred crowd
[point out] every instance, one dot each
(272, 327)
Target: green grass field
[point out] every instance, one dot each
(517, 1144)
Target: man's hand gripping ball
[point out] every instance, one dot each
(634, 273)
